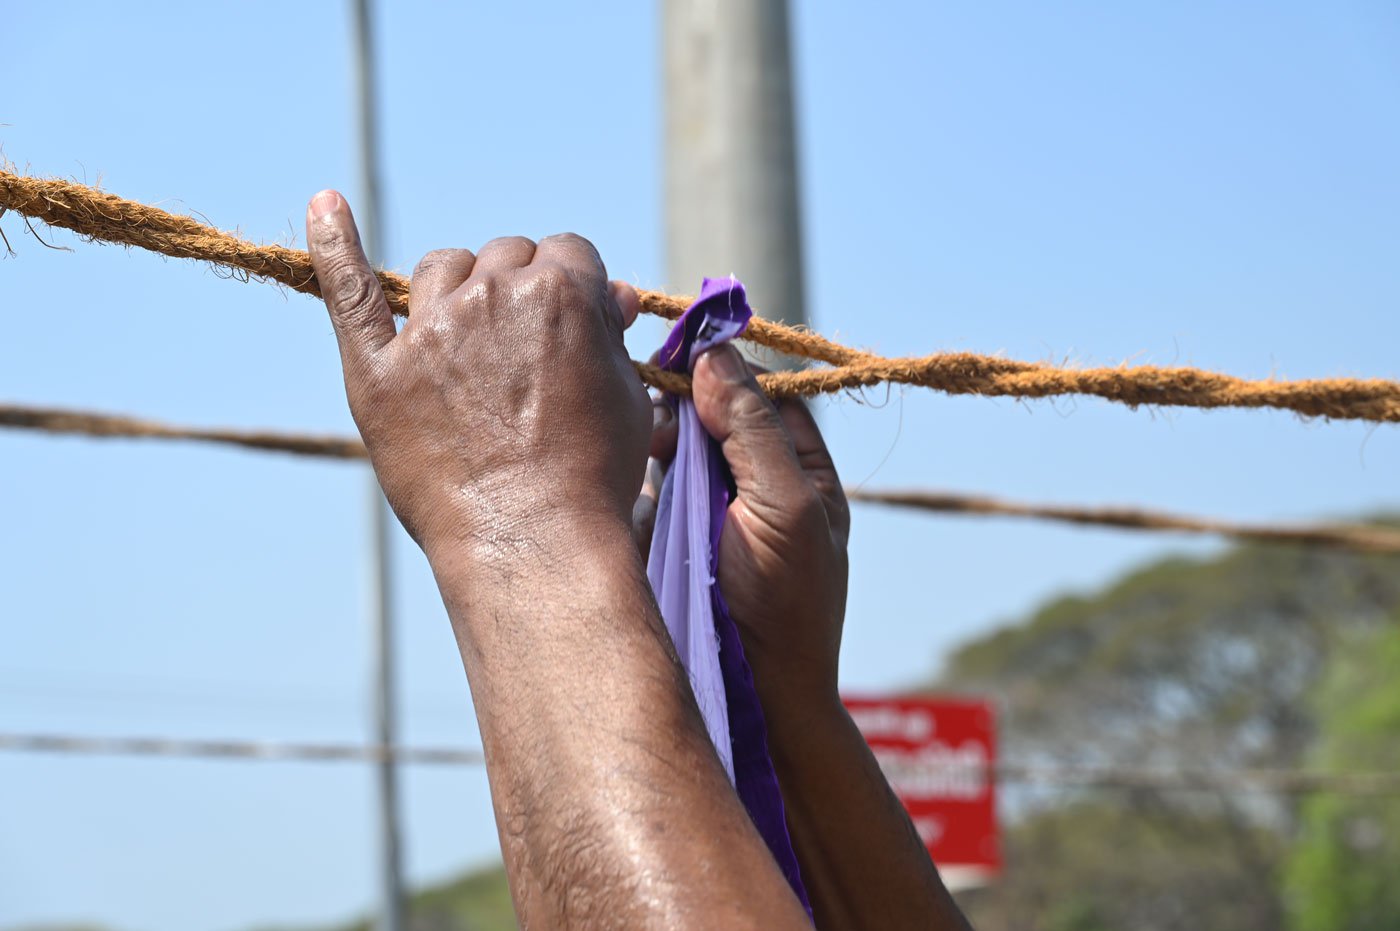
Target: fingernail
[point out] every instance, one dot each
(324, 204)
(726, 362)
(660, 413)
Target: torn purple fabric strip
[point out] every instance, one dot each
(682, 564)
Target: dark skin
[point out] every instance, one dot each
(510, 434)
(782, 571)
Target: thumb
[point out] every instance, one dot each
(735, 411)
(361, 317)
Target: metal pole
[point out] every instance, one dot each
(379, 594)
(732, 193)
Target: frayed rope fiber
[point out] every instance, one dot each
(1362, 538)
(100, 216)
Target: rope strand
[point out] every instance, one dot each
(99, 216)
(57, 420)
(111, 426)
(1366, 539)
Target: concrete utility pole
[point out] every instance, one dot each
(731, 151)
(379, 590)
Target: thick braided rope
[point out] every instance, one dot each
(113, 426)
(105, 217)
(57, 420)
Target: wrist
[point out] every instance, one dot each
(552, 553)
(811, 748)
(799, 724)
(815, 702)
(501, 538)
(796, 684)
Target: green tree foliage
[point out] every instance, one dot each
(1181, 663)
(1115, 863)
(1263, 656)
(1190, 663)
(1193, 664)
(477, 901)
(1344, 872)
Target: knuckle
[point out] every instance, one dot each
(482, 291)
(553, 280)
(436, 259)
(366, 395)
(809, 505)
(818, 461)
(806, 510)
(379, 374)
(553, 287)
(572, 239)
(828, 486)
(841, 516)
(441, 271)
(509, 243)
(352, 286)
(432, 332)
(752, 411)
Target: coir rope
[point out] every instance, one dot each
(56, 420)
(1351, 537)
(104, 217)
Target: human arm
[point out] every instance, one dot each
(782, 570)
(509, 432)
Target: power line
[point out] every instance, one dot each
(1265, 781)
(379, 574)
(247, 750)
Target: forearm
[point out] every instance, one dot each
(862, 861)
(610, 802)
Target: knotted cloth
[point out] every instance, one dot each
(683, 565)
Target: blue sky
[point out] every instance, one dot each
(1194, 183)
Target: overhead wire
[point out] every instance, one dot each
(1097, 776)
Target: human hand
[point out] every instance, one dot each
(782, 559)
(506, 416)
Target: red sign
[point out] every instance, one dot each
(938, 755)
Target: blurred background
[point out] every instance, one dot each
(1195, 183)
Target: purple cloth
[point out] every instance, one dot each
(684, 557)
